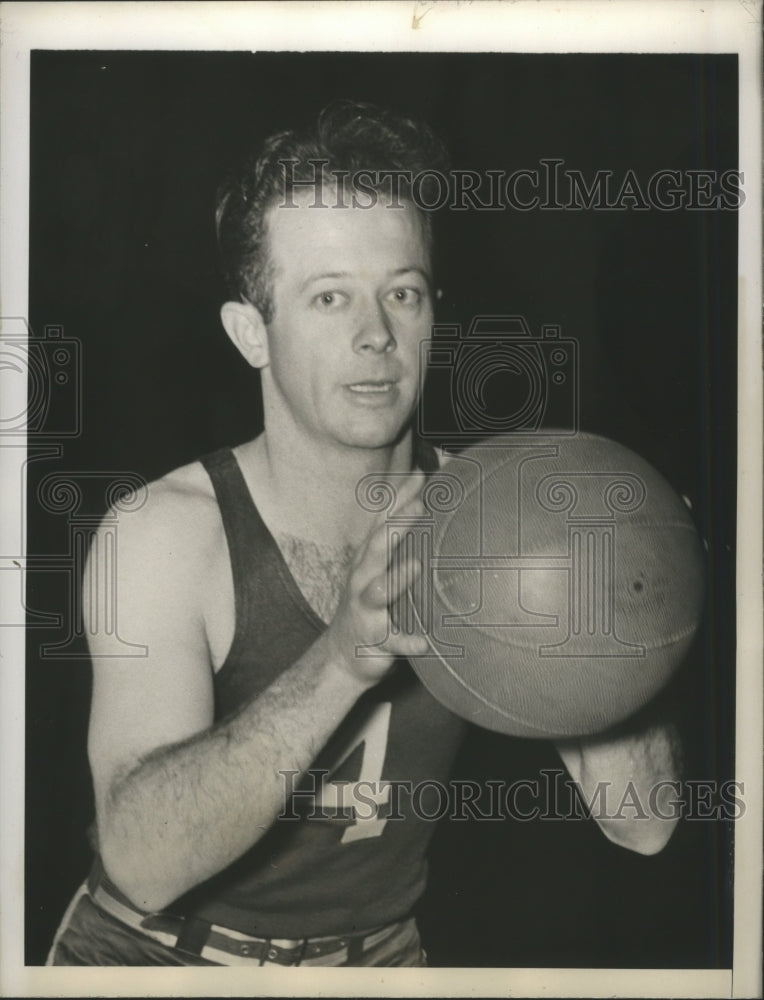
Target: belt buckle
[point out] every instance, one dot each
(279, 954)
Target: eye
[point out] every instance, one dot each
(330, 300)
(409, 297)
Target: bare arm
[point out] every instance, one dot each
(178, 798)
(630, 779)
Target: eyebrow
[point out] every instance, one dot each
(324, 275)
(312, 278)
(414, 269)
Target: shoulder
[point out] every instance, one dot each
(174, 518)
(185, 493)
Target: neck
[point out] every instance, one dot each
(309, 490)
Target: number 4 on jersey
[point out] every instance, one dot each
(368, 792)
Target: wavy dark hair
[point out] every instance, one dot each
(351, 137)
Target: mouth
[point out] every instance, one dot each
(371, 387)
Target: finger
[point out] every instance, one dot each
(377, 552)
(412, 486)
(402, 576)
(394, 553)
(407, 633)
(386, 588)
(407, 507)
(405, 489)
(416, 644)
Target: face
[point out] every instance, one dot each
(352, 302)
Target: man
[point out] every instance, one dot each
(254, 578)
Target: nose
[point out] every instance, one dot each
(375, 333)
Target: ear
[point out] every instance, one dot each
(244, 325)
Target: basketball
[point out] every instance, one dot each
(562, 584)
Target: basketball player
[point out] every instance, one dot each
(253, 577)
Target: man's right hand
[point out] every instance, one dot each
(363, 616)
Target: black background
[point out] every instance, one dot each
(126, 152)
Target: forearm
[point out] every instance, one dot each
(630, 781)
(190, 809)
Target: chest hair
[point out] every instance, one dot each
(320, 571)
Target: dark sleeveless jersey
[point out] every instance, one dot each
(325, 867)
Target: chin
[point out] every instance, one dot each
(370, 441)
(374, 436)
